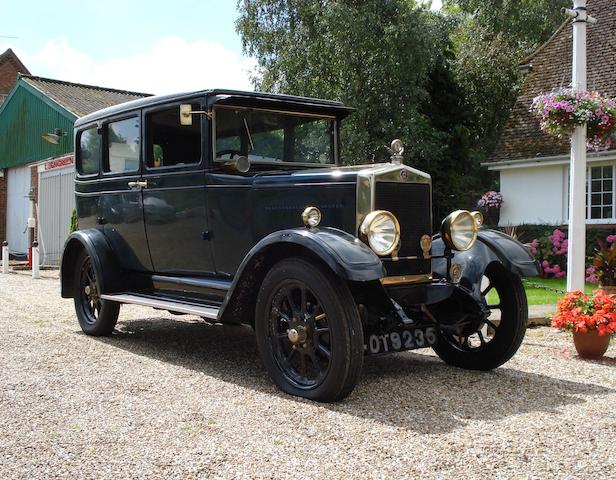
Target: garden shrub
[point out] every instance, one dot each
(549, 245)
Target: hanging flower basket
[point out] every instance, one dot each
(560, 111)
(490, 204)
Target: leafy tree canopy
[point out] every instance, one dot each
(443, 82)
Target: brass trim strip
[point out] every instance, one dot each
(406, 279)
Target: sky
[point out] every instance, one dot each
(145, 46)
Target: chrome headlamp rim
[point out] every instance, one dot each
(309, 215)
(364, 231)
(447, 232)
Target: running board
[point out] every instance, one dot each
(172, 305)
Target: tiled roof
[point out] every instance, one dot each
(80, 99)
(551, 68)
(9, 56)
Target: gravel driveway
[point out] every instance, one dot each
(173, 397)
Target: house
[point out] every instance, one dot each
(36, 158)
(10, 67)
(534, 168)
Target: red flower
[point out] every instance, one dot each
(577, 312)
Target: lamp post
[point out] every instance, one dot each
(576, 254)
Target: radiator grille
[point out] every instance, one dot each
(410, 203)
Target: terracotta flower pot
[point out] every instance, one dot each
(590, 344)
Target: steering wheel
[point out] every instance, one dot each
(228, 151)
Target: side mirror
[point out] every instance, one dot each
(186, 114)
(239, 163)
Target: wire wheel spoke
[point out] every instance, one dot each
(324, 351)
(491, 324)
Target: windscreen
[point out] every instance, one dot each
(274, 137)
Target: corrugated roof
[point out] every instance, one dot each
(80, 99)
(522, 137)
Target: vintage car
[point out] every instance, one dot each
(234, 206)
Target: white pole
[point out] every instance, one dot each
(35, 260)
(5, 257)
(576, 255)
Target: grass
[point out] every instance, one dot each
(542, 296)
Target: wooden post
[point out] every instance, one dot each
(576, 255)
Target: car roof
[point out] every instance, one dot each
(222, 96)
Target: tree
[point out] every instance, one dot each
(492, 39)
(388, 58)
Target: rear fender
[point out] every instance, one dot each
(108, 272)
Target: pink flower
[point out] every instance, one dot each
(611, 238)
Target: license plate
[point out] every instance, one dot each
(400, 340)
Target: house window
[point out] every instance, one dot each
(600, 193)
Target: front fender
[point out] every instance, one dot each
(344, 254)
(108, 272)
(491, 246)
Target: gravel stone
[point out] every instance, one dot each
(175, 397)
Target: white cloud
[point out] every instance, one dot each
(171, 65)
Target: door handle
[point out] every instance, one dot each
(139, 184)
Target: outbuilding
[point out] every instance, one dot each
(36, 158)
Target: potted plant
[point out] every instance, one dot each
(604, 263)
(490, 203)
(591, 319)
(561, 110)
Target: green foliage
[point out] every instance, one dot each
(74, 221)
(526, 23)
(388, 58)
(443, 82)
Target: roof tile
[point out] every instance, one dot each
(81, 99)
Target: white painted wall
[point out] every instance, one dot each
(18, 209)
(533, 195)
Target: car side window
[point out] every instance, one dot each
(122, 146)
(170, 143)
(89, 155)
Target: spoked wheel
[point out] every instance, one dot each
(299, 334)
(96, 316)
(308, 331)
(491, 341)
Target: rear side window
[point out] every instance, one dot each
(89, 152)
(170, 143)
(122, 146)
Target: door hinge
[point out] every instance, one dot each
(207, 235)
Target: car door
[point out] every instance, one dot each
(174, 197)
(120, 205)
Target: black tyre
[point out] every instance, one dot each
(495, 341)
(308, 331)
(97, 317)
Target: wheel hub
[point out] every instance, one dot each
(297, 334)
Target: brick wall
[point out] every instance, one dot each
(8, 76)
